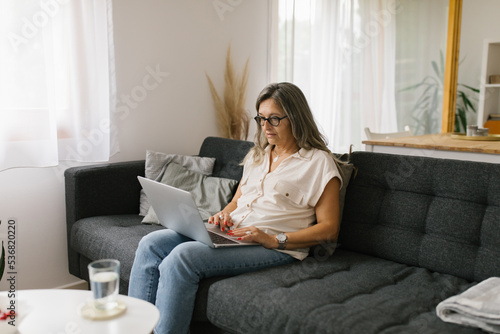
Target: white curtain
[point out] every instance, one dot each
(343, 59)
(57, 82)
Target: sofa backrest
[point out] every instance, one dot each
(439, 214)
(228, 154)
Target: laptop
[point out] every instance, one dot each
(176, 210)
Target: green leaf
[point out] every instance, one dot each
(469, 87)
(442, 64)
(436, 68)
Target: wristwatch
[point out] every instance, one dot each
(282, 239)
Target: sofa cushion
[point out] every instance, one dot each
(110, 237)
(347, 293)
(346, 170)
(228, 154)
(210, 194)
(156, 163)
(433, 213)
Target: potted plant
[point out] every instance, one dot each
(464, 105)
(426, 111)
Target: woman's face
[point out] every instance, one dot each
(280, 135)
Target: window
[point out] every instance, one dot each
(57, 85)
(354, 58)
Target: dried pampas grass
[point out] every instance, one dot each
(232, 117)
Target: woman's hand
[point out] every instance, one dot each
(221, 219)
(253, 234)
(245, 234)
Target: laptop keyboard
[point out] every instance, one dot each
(219, 239)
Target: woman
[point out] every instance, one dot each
(289, 182)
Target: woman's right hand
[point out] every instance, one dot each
(222, 219)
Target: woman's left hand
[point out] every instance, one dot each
(253, 234)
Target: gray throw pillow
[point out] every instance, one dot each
(325, 250)
(156, 162)
(345, 170)
(211, 194)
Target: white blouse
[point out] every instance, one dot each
(284, 200)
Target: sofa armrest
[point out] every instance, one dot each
(106, 189)
(97, 190)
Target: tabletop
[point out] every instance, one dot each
(57, 311)
(440, 141)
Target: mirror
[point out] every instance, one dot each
(470, 22)
(421, 35)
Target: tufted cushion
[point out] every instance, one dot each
(347, 293)
(438, 214)
(110, 237)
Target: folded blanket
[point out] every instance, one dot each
(479, 306)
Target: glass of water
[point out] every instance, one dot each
(104, 281)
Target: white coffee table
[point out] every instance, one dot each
(56, 311)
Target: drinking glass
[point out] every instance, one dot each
(104, 281)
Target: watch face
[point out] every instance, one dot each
(281, 237)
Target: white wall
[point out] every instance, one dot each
(185, 38)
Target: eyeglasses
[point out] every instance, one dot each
(273, 120)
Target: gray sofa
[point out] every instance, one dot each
(415, 231)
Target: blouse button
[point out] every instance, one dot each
(286, 194)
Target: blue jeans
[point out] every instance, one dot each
(169, 266)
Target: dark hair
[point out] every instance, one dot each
(294, 104)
